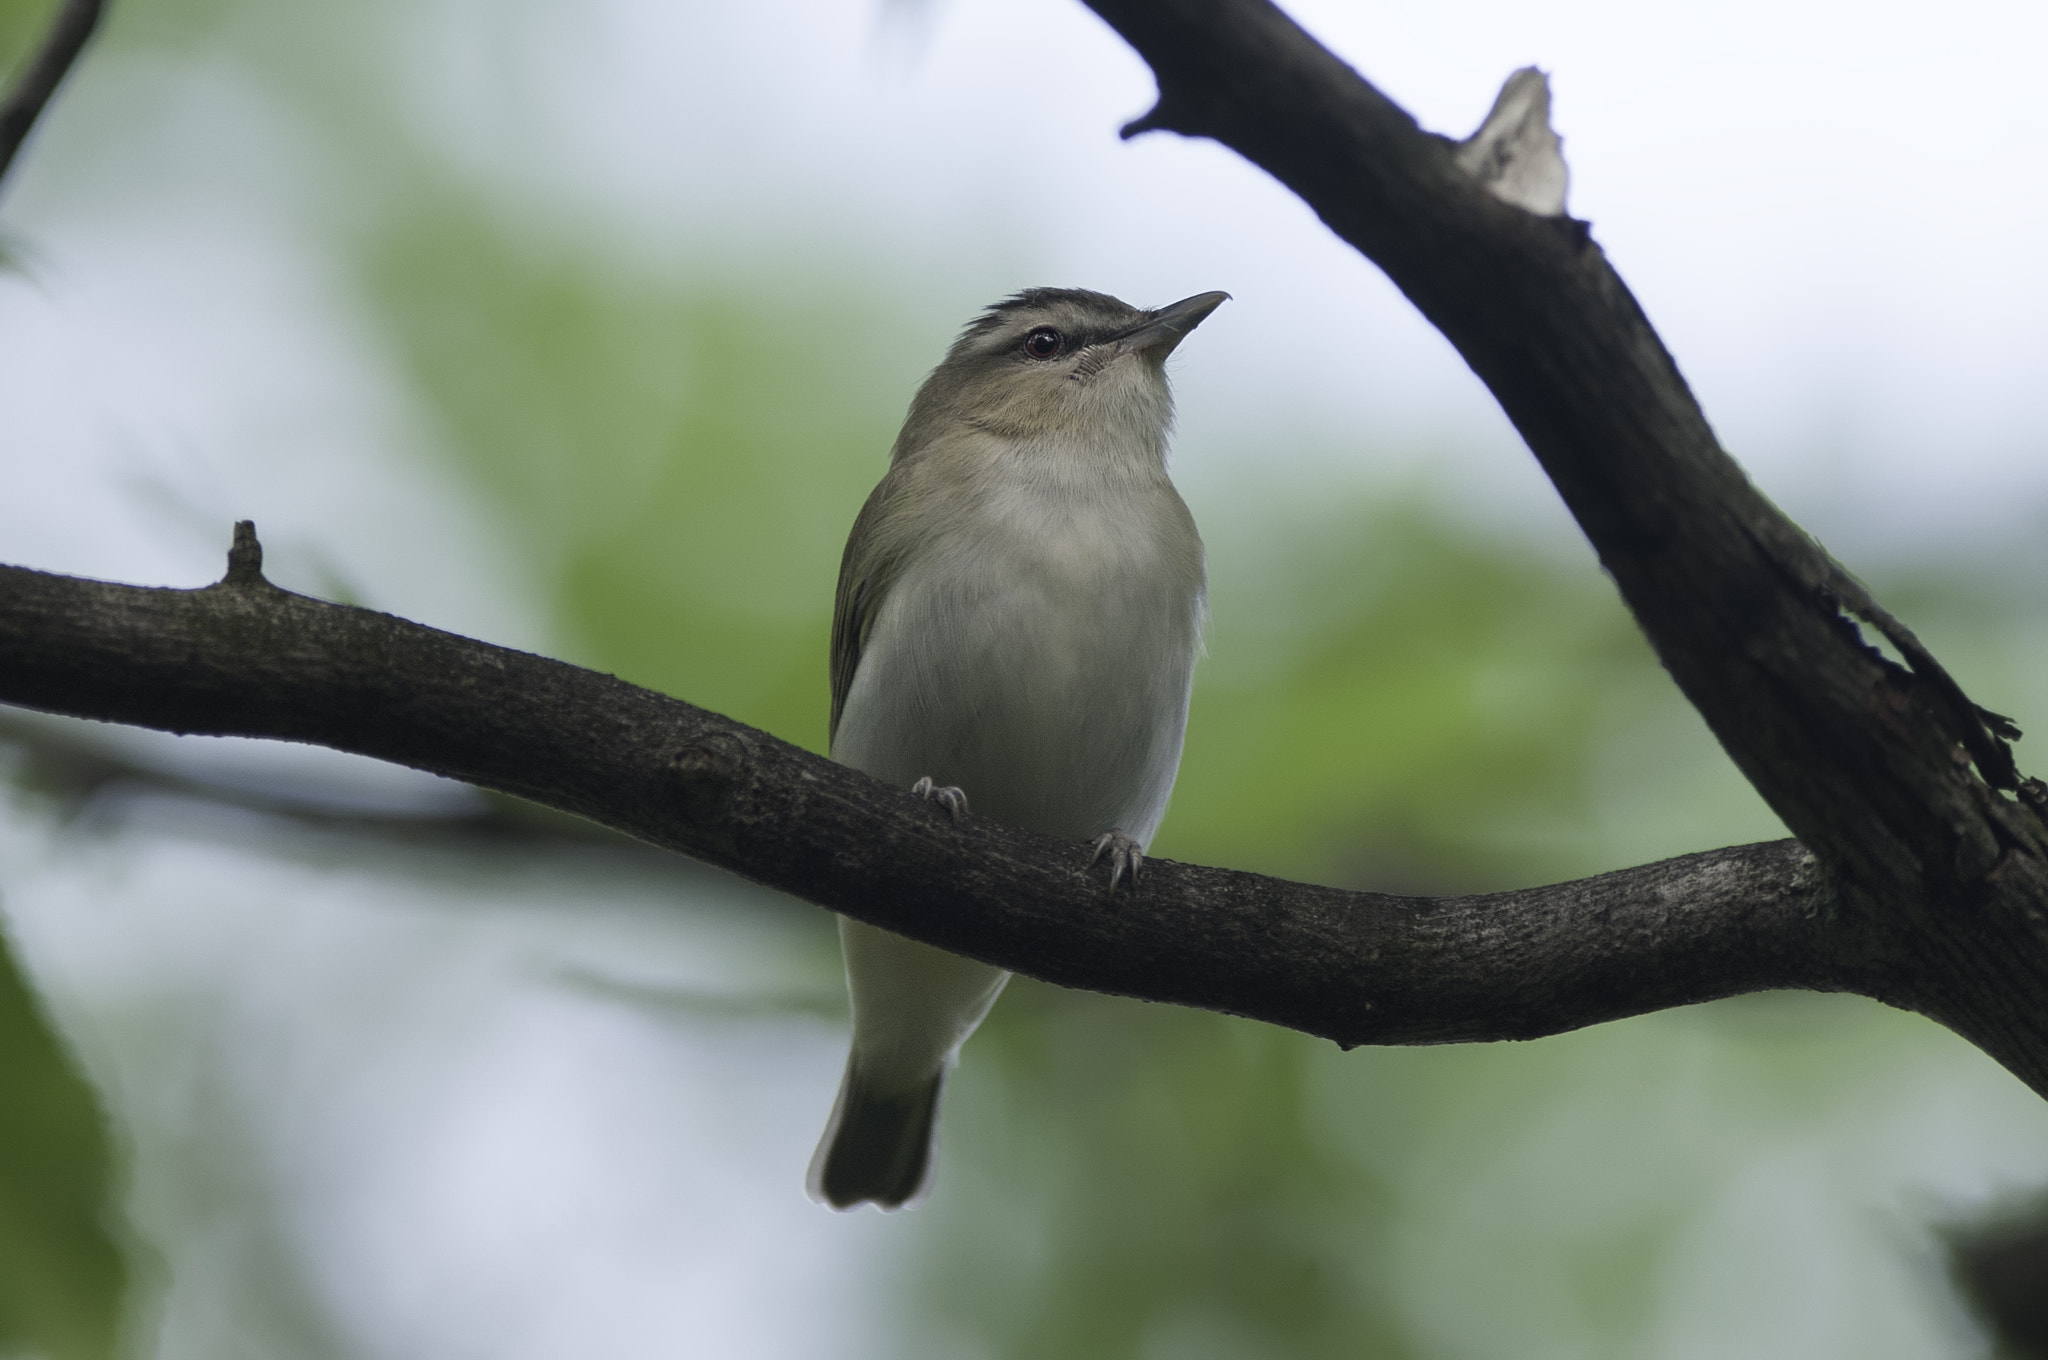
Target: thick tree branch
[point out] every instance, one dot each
(244, 658)
(44, 72)
(1866, 761)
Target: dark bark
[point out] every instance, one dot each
(244, 658)
(1924, 885)
(1867, 762)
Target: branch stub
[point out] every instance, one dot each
(245, 558)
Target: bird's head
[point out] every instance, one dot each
(1061, 366)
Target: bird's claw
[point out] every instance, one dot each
(953, 800)
(1126, 856)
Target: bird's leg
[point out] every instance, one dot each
(1126, 856)
(952, 799)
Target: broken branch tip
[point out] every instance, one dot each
(245, 558)
(1515, 154)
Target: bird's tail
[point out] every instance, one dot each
(878, 1145)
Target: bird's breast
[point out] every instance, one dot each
(1038, 654)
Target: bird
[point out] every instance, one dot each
(1020, 608)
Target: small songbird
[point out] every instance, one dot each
(1020, 607)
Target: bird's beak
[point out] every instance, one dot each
(1161, 330)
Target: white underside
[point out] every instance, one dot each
(1042, 665)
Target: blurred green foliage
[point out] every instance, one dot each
(62, 1276)
(1129, 1180)
(1126, 1180)
(676, 462)
(1395, 698)
(22, 23)
(1391, 699)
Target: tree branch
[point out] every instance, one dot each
(39, 80)
(1867, 762)
(1925, 886)
(244, 658)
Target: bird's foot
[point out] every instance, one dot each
(953, 800)
(1124, 853)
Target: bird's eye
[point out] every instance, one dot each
(1043, 343)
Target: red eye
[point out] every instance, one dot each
(1042, 343)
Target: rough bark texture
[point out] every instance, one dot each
(1867, 762)
(244, 658)
(1917, 882)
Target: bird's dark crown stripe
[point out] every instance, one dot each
(1035, 298)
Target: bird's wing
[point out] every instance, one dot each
(866, 572)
